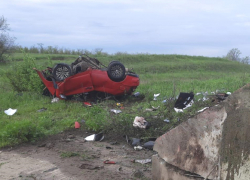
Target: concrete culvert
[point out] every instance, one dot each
(215, 144)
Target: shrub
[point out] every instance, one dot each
(22, 77)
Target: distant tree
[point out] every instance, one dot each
(245, 60)
(6, 42)
(234, 54)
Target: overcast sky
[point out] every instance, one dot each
(188, 27)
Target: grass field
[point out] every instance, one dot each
(165, 74)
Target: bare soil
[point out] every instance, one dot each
(68, 156)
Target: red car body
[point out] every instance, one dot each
(90, 80)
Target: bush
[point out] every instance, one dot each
(22, 77)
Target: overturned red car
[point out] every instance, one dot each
(87, 75)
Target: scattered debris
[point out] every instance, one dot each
(136, 94)
(203, 109)
(155, 96)
(184, 101)
(143, 161)
(87, 104)
(95, 137)
(119, 104)
(140, 122)
(115, 111)
(77, 125)
(149, 145)
(166, 120)
(109, 162)
(108, 147)
(56, 99)
(10, 111)
(135, 141)
(138, 148)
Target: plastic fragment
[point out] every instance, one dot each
(143, 161)
(155, 96)
(138, 148)
(203, 109)
(115, 111)
(136, 94)
(109, 162)
(56, 99)
(166, 120)
(77, 125)
(10, 111)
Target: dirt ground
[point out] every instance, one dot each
(68, 156)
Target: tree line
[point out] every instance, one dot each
(8, 47)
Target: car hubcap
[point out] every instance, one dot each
(116, 71)
(62, 73)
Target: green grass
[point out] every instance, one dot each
(165, 74)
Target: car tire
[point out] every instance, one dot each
(116, 71)
(61, 71)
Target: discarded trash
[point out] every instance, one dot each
(119, 104)
(56, 99)
(221, 96)
(142, 161)
(166, 120)
(136, 94)
(108, 147)
(164, 101)
(138, 148)
(228, 93)
(135, 141)
(87, 104)
(140, 122)
(115, 111)
(149, 109)
(77, 125)
(184, 101)
(99, 137)
(10, 111)
(149, 145)
(155, 96)
(90, 138)
(178, 110)
(41, 110)
(95, 137)
(203, 109)
(109, 162)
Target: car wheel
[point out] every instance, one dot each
(61, 71)
(116, 71)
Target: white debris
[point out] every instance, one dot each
(155, 96)
(140, 122)
(115, 111)
(203, 109)
(10, 111)
(138, 148)
(143, 161)
(56, 99)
